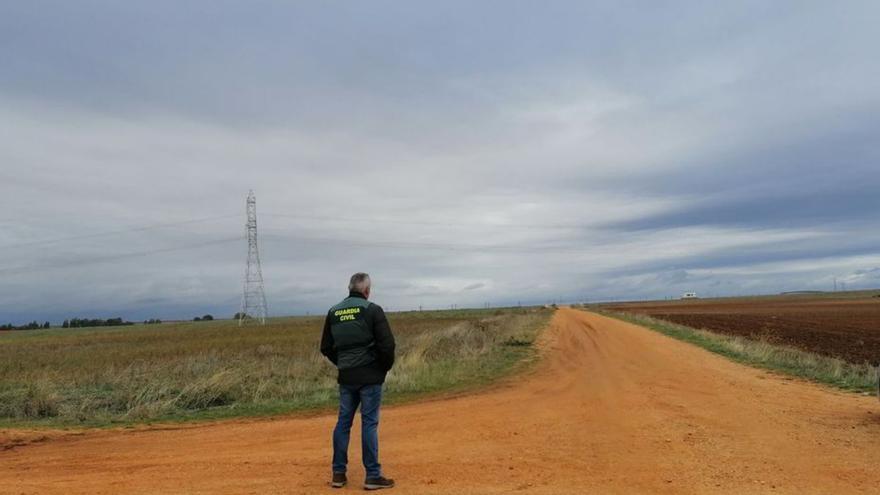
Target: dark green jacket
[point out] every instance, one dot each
(358, 340)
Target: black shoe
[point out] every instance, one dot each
(378, 483)
(339, 480)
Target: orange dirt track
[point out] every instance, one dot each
(611, 408)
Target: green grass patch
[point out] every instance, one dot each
(761, 354)
(191, 371)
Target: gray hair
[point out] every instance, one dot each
(359, 282)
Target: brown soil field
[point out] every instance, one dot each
(845, 327)
(610, 408)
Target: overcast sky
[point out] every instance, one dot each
(461, 152)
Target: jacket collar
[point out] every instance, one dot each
(355, 293)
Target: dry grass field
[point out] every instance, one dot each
(203, 370)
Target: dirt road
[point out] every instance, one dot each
(612, 408)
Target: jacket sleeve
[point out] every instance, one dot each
(327, 341)
(383, 337)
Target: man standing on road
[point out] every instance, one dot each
(358, 340)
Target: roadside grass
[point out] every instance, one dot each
(827, 370)
(191, 371)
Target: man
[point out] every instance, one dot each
(358, 340)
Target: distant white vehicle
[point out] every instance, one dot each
(689, 295)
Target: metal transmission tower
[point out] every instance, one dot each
(253, 300)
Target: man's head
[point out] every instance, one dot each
(360, 282)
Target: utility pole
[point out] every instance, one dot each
(253, 299)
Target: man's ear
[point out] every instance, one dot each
(367, 292)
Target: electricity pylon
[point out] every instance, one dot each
(253, 300)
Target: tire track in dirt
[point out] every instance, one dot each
(611, 408)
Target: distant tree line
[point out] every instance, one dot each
(95, 322)
(30, 326)
(92, 322)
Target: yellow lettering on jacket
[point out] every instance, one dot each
(346, 311)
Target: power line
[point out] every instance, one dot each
(325, 240)
(116, 232)
(282, 215)
(101, 259)
(511, 248)
(430, 245)
(429, 223)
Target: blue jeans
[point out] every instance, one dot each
(368, 397)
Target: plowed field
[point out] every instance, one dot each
(848, 328)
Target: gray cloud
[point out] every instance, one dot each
(460, 153)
